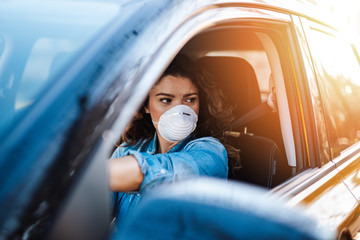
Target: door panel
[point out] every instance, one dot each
(348, 164)
(327, 199)
(350, 173)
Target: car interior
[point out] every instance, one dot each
(246, 67)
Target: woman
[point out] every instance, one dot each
(169, 138)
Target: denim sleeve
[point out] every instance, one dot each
(200, 157)
(117, 153)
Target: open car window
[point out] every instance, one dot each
(246, 67)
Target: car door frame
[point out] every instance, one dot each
(322, 182)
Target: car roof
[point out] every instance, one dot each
(303, 8)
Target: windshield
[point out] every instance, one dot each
(37, 38)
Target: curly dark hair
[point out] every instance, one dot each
(214, 114)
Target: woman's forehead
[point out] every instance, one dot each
(175, 84)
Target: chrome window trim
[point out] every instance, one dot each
(317, 107)
(348, 156)
(301, 183)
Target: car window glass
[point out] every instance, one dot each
(46, 58)
(338, 73)
(35, 44)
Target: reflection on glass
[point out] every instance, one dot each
(339, 79)
(37, 40)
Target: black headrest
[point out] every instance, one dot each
(237, 79)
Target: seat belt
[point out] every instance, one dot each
(253, 114)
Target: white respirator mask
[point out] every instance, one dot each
(177, 123)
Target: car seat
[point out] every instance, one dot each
(263, 162)
(237, 79)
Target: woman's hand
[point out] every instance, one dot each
(125, 174)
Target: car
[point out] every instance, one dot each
(73, 73)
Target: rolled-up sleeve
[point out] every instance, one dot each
(200, 157)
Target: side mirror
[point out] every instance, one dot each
(208, 208)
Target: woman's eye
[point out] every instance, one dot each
(190, 100)
(165, 100)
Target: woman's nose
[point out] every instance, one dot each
(178, 102)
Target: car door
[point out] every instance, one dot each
(338, 73)
(53, 164)
(322, 188)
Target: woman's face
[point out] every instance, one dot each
(168, 93)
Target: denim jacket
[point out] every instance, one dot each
(188, 159)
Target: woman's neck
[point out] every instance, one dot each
(164, 146)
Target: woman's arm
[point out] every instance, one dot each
(141, 171)
(125, 174)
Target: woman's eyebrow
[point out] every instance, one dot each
(165, 94)
(190, 94)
